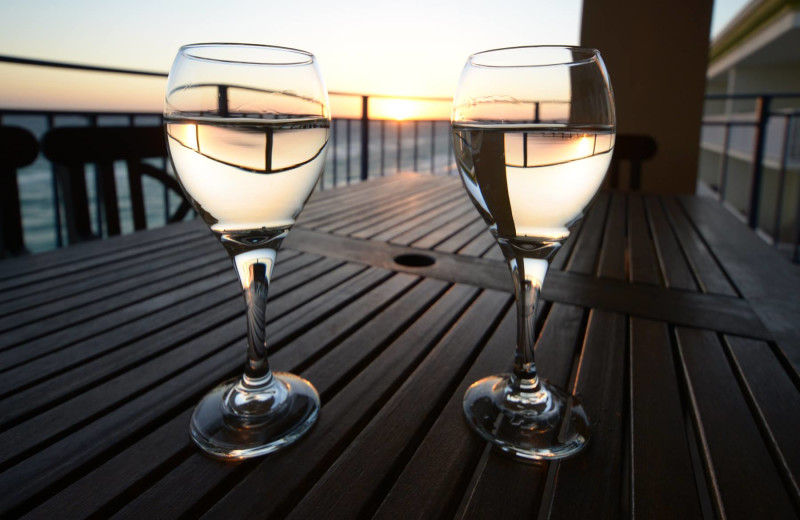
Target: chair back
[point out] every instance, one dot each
(633, 149)
(72, 148)
(18, 148)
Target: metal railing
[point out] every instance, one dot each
(760, 120)
(360, 147)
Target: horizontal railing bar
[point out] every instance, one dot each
(78, 66)
(723, 97)
(83, 113)
(729, 123)
(116, 70)
(92, 113)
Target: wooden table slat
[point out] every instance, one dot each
(583, 259)
(353, 306)
(382, 215)
(613, 259)
(433, 482)
(456, 223)
(122, 324)
(88, 251)
(771, 392)
(407, 230)
(706, 269)
(327, 202)
(126, 303)
(150, 273)
(353, 209)
(123, 473)
(406, 218)
(349, 487)
(459, 241)
(88, 267)
(432, 202)
(601, 384)
(503, 488)
(663, 477)
(353, 353)
(80, 282)
(126, 423)
(480, 246)
(50, 425)
(643, 266)
(674, 267)
(732, 441)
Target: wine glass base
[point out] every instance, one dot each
(226, 435)
(553, 425)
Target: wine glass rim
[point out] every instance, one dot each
(186, 50)
(591, 55)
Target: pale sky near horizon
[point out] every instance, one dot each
(393, 48)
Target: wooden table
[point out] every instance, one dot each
(678, 326)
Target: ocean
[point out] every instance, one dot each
(36, 186)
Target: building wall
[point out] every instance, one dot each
(783, 77)
(656, 53)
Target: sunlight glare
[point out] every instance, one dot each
(399, 109)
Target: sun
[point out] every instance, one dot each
(399, 109)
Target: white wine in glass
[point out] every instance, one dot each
(247, 129)
(533, 134)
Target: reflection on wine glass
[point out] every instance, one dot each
(247, 129)
(533, 132)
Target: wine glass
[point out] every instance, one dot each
(533, 132)
(247, 129)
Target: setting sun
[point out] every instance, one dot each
(399, 109)
(402, 109)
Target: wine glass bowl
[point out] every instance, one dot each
(247, 129)
(533, 134)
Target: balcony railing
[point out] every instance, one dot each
(764, 134)
(361, 147)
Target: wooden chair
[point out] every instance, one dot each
(72, 148)
(633, 149)
(18, 148)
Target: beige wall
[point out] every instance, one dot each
(656, 53)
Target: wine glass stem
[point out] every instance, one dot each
(257, 370)
(527, 296)
(254, 268)
(528, 268)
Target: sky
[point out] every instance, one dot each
(413, 48)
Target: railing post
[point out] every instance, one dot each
(776, 226)
(349, 141)
(416, 144)
(335, 158)
(49, 122)
(222, 100)
(723, 164)
(762, 111)
(433, 147)
(399, 144)
(383, 145)
(364, 137)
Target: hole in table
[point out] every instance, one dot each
(414, 260)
